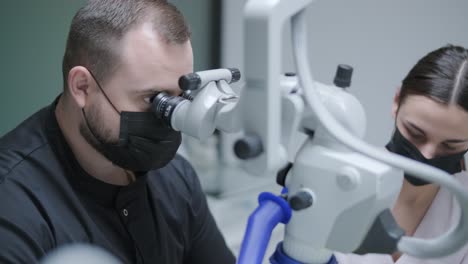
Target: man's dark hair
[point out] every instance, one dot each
(98, 27)
(441, 75)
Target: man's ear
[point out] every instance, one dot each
(79, 83)
(396, 103)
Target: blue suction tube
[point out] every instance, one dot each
(271, 211)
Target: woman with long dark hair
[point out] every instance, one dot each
(431, 126)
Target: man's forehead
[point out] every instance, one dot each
(144, 42)
(151, 61)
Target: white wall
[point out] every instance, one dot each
(380, 39)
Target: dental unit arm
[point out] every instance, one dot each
(338, 189)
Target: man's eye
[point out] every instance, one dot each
(149, 99)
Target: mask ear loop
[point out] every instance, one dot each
(130, 176)
(84, 114)
(102, 90)
(89, 127)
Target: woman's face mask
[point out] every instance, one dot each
(400, 145)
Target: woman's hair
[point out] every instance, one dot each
(441, 75)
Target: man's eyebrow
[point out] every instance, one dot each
(155, 91)
(149, 91)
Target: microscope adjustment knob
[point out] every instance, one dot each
(248, 147)
(235, 74)
(348, 178)
(343, 76)
(282, 174)
(189, 82)
(301, 200)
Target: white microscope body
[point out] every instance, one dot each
(347, 190)
(339, 188)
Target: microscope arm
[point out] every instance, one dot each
(423, 248)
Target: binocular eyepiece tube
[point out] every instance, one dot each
(164, 105)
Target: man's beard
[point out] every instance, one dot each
(93, 130)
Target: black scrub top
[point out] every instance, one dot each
(48, 200)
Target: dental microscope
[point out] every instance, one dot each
(337, 189)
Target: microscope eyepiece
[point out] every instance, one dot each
(197, 80)
(163, 106)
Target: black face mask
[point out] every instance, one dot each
(400, 145)
(145, 142)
